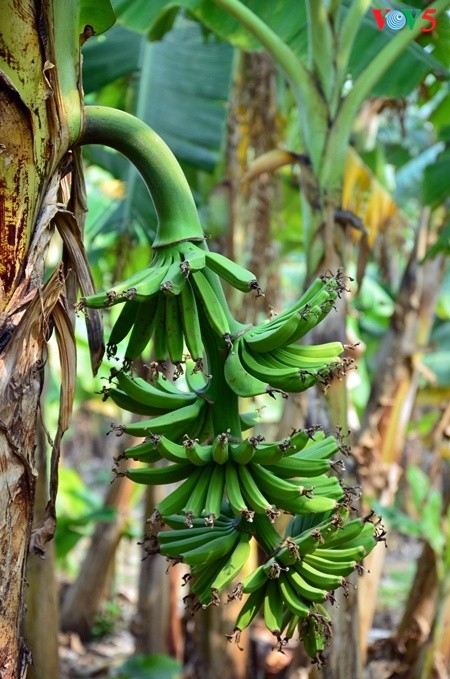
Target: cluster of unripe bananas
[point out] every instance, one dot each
(232, 488)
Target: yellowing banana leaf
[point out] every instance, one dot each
(365, 196)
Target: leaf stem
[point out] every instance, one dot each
(175, 207)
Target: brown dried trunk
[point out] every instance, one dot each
(33, 142)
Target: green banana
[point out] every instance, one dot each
(346, 534)
(176, 548)
(116, 294)
(169, 450)
(234, 492)
(234, 564)
(302, 438)
(220, 448)
(182, 534)
(249, 420)
(196, 379)
(255, 580)
(273, 609)
(194, 259)
(307, 298)
(306, 505)
(342, 568)
(174, 330)
(290, 622)
(274, 337)
(289, 356)
(288, 379)
(232, 273)
(242, 452)
(143, 452)
(176, 500)
(144, 325)
(307, 591)
(293, 601)
(204, 578)
(122, 326)
(177, 521)
(297, 466)
(125, 402)
(211, 306)
(195, 505)
(177, 421)
(147, 394)
(248, 612)
(357, 553)
(256, 500)
(271, 453)
(214, 495)
(214, 549)
(160, 350)
(266, 534)
(159, 475)
(174, 279)
(326, 350)
(150, 285)
(240, 380)
(328, 581)
(319, 450)
(277, 489)
(196, 453)
(315, 636)
(191, 324)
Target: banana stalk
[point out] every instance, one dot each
(175, 208)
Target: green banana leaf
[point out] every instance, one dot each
(436, 185)
(191, 76)
(110, 57)
(289, 20)
(96, 13)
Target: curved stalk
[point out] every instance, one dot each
(175, 207)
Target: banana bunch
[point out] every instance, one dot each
(226, 489)
(215, 555)
(167, 301)
(288, 590)
(267, 358)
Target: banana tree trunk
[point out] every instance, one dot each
(34, 138)
(42, 619)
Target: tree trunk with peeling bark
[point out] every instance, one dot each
(40, 111)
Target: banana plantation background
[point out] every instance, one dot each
(311, 140)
